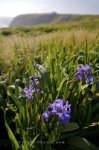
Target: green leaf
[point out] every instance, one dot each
(94, 97)
(33, 141)
(68, 130)
(69, 127)
(95, 107)
(81, 143)
(45, 77)
(60, 87)
(19, 106)
(25, 142)
(10, 90)
(12, 138)
(88, 115)
(84, 87)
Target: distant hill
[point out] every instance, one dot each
(35, 19)
(5, 21)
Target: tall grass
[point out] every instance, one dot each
(29, 46)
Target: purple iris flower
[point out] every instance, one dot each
(64, 118)
(90, 79)
(32, 88)
(84, 72)
(81, 69)
(87, 69)
(59, 108)
(34, 82)
(51, 108)
(79, 76)
(45, 116)
(38, 66)
(58, 104)
(28, 91)
(67, 108)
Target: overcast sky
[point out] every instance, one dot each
(12, 8)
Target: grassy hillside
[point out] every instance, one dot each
(36, 19)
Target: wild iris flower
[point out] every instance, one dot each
(90, 79)
(34, 82)
(60, 108)
(84, 72)
(28, 91)
(32, 88)
(45, 116)
(87, 69)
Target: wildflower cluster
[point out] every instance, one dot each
(32, 88)
(60, 108)
(84, 72)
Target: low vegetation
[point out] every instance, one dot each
(49, 86)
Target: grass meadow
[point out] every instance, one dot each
(49, 86)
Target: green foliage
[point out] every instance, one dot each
(57, 75)
(6, 32)
(28, 113)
